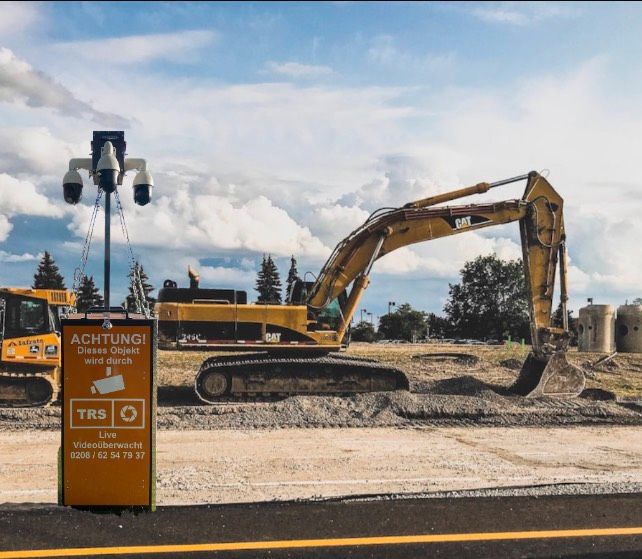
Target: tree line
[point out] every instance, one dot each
(268, 283)
(490, 301)
(48, 276)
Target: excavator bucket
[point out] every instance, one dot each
(555, 377)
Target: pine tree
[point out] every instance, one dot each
(268, 282)
(147, 288)
(88, 295)
(293, 276)
(47, 275)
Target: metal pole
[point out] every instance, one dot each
(107, 250)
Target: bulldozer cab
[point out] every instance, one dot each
(22, 316)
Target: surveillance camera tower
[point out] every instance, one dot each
(107, 167)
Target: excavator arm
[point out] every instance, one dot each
(540, 215)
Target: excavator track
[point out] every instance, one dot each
(27, 390)
(221, 379)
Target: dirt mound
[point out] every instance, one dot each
(468, 386)
(514, 364)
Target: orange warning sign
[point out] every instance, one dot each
(107, 439)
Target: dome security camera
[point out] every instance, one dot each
(108, 169)
(72, 187)
(143, 185)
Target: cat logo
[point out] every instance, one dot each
(467, 221)
(463, 222)
(274, 338)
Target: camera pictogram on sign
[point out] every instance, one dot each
(108, 384)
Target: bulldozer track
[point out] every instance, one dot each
(17, 380)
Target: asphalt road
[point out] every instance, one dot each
(552, 526)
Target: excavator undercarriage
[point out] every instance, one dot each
(265, 375)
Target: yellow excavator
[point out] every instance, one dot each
(296, 346)
(30, 344)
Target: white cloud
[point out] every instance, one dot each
(296, 70)
(521, 13)
(9, 258)
(282, 168)
(333, 222)
(21, 197)
(20, 83)
(222, 276)
(443, 258)
(5, 228)
(403, 178)
(208, 222)
(34, 150)
(179, 46)
(17, 17)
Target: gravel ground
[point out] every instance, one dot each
(224, 466)
(532, 491)
(469, 388)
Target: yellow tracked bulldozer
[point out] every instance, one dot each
(296, 346)
(30, 344)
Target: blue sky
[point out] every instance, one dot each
(279, 127)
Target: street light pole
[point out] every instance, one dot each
(362, 313)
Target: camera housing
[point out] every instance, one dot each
(72, 187)
(143, 185)
(108, 169)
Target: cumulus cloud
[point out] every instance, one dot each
(443, 258)
(21, 197)
(34, 150)
(21, 83)
(296, 70)
(333, 222)
(402, 178)
(179, 46)
(5, 228)
(208, 222)
(10, 258)
(224, 276)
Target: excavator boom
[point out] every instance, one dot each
(540, 215)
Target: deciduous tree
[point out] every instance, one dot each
(363, 332)
(405, 323)
(490, 301)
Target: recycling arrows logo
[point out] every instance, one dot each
(128, 414)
